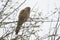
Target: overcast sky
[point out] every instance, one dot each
(41, 5)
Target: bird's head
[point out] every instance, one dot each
(27, 8)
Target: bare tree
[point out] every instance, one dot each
(32, 27)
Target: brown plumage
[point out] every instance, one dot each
(23, 16)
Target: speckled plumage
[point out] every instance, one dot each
(23, 16)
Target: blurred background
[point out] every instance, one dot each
(42, 24)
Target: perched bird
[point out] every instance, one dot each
(23, 16)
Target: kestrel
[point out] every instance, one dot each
(23, 16)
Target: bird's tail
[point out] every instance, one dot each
(17, 29)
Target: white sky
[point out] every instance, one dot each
(42, 5)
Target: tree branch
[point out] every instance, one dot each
(13, 11)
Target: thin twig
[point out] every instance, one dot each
(4, 7)
(13, 11)
(56, 28)
(5, 35)
(27, 21)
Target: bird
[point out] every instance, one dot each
(23, 16)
